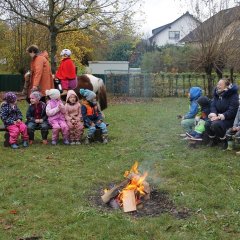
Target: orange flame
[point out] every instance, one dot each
(136, 183)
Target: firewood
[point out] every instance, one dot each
(113, 192)
(129, 201)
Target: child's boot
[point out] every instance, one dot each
(14, 146)
(230, 145)
(105, 138)
(87, 140)
(25, 143)
(224, 144)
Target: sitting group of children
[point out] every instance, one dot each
(198, 120)
(69, 118)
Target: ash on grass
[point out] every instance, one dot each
(159, 203)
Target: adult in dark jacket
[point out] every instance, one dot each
(224, 108)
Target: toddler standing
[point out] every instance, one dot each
(56, 116)
(12, 120)
(73, 117)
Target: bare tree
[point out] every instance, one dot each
(216, 43)
(60, 16)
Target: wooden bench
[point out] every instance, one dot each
(6, 136)
(97, 136)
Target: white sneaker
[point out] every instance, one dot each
(72, 143)
(182, 135)
(77, 143)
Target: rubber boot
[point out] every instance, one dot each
(230, 145)
(105, 138)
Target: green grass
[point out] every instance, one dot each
(49, 187)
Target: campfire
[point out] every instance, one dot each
(131, 193)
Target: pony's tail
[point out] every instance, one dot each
(102, 95)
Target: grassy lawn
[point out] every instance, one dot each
(44, 190)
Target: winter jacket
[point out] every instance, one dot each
(31, 112)
(72, 111)
(90, 113)
(55, 111)
(237, 119)
(41, 75)
(205, 105)
(9, 114)
(194, 94)
(66, 70)
(226, 103)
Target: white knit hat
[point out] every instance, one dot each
(65, 52)
(53, 93)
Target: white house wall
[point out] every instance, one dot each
(100, 67)
(184, 25)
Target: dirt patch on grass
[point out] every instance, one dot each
(159, 203)
(126, 100)
(19, 95)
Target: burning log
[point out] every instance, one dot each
(113, 192)
(129, 201)
(130, 192)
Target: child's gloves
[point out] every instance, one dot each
(221, 116)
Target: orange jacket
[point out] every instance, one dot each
(41, 75)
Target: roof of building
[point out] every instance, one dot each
(213, 25)
(156, 31)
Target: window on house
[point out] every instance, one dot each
(174, 35)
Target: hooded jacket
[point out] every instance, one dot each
(72, 111)
(66, 70)
(90, 113)
(41, 75)
(226, 103)
(194, 94)
(205, 104)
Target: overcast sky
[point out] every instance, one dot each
(160, 12)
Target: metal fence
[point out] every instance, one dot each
(154, 85)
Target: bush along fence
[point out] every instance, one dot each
(156, 85)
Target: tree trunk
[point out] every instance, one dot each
(231, 75)
(219, 73)
(53, 44)
(208, 71)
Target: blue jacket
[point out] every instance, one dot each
(195, 93)
(9, 114)
(90, 113)
(226, 103)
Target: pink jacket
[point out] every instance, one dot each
(55, 110)
(72, 111)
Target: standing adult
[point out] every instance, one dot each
(40, 75)
(66, 72)
(224, 108)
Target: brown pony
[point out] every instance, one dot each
(88, 81)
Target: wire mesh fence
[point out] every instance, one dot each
(155, 85)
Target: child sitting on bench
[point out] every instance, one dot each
(92, 116)
(12, 120)
(37, 117)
